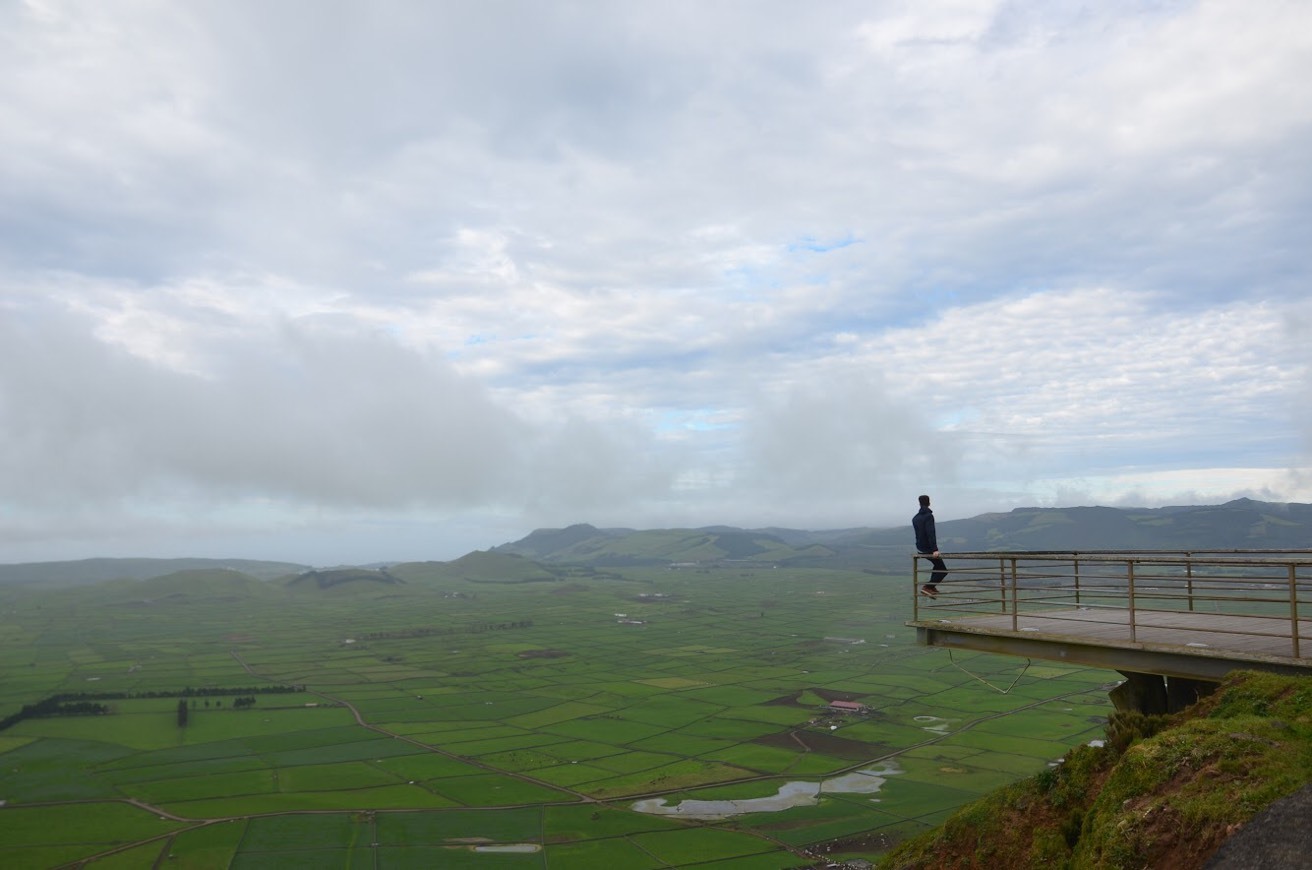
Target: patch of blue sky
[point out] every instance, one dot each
(609, 361)
(486, 343)
(674, 422)
(476, 340)
(1123, 458)
(1256, 450)
(815, 245)
(748, 279)
(745, 282)
(956, 418)
(817, 327)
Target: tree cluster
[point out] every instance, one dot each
(188, 692)
(430, 631)
(211, 691)
(55, 705)
(85, 703)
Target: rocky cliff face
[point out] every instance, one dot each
(1164, 792)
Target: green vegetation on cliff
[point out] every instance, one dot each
(1165, 790)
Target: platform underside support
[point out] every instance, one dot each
(1154, 694)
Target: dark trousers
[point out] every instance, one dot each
(940, 571)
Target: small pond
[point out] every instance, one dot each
(791, 794)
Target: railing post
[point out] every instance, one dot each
(1002, 584)
(1189, 574)
(1129, 573)
(1076, 563)
(915, 588)
(1015, 599)
(1293, 607)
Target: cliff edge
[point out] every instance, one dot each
(1163, 792)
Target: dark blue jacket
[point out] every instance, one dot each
(923, 523)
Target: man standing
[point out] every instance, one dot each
(927, 544)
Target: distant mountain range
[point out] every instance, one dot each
(1239, 524)
(548, 553)
(156, 580)
(81, 572)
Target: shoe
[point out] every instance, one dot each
(929, 591)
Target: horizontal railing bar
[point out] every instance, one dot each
(1247, 577)
(1024, 554)
(1048, 582)
(1181, 557)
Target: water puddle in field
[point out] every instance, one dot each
(935, 724)
(510, 847)
(791, 794)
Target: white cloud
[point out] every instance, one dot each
(415, 263)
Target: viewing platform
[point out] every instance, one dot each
(1187, 616)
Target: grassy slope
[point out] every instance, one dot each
(478, 567)
(92, 571)
(1165, 792)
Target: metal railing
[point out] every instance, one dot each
(1270, 589)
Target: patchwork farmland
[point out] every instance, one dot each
(648, 719)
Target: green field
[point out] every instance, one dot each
(474, 723)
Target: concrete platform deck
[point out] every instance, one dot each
(1173, 643)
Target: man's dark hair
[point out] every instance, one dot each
(924, 501)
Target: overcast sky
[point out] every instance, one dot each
(360, 281)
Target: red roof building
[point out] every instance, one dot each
(847, 706)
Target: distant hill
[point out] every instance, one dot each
(551, 554)
(477, 567)
(584, 544)
(200, 585)
(1239, 524)
(344, 578)
(86, 571)
(1235, 525)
